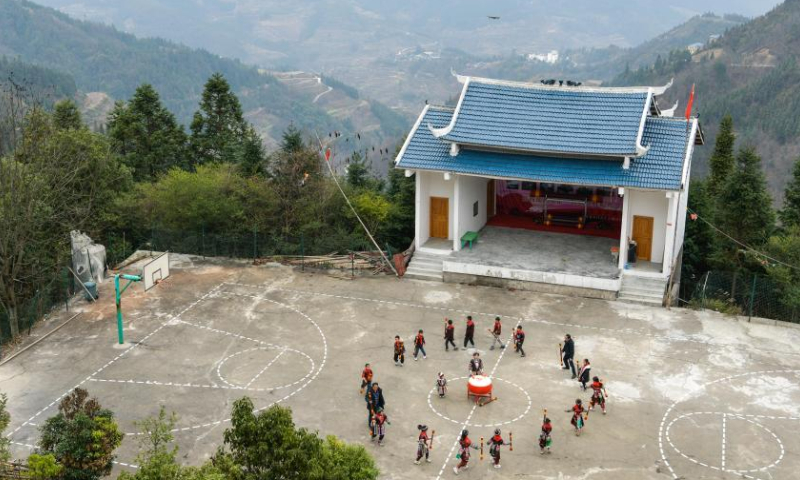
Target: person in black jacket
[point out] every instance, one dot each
(569, 354)
(519, 339)
(374, 399)
(469, 333)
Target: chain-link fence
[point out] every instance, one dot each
(344, 251)
(54, 294)
(743, 293)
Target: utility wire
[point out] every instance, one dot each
(333, 174)
(747, 247)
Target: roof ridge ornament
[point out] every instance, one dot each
(660, 90)
(670, 112)
(440, 132)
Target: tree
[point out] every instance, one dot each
(82, 437)
(790, 214)
(744, 210)
(5, 420)
(357, 171)
(51, 181)
(210, 197)
(218, 127)
(66, 115)
(146, 135)
(786, 248)
(292, 140)
(399, 231)
(252, 157)
(267, 446)
(347, 462)
(44, 467)
(157, 453)
(698, 245)
(722, 161)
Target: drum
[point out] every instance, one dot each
(479, 385)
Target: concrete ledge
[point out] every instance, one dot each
(469, 279)
(550, 278)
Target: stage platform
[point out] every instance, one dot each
(534, 260)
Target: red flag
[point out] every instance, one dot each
(327, 154)
(689, 105)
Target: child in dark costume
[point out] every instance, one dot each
(577, 416)
(399, 351)
(494, 447)
(379, 422)
(423, 446)
(598, 395)
(544, 438)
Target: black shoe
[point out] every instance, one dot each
(574, 377)
(564, 368)
(502, 347)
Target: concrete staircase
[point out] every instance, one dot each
(425, 266)
(642, 290)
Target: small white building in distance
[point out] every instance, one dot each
(550, 57)
(578, 190)
(695, 47)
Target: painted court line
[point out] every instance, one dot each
(664, 427)
(487, 314)
(110, 362)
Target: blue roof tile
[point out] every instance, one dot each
(660, 169)
(549, 119)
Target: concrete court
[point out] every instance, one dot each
(693, 395)
(551, 252)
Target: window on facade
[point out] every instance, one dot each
(475, 209)
(512, 185)
(528, 186)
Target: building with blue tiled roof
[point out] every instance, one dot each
(554, 163)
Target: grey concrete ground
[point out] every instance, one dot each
(692, 395)
(550, 252)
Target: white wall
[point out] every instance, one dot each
(470, 190)
(432, 184)
(649, 204)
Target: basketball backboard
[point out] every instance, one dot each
(155, 271)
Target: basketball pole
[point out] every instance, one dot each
(118, 292)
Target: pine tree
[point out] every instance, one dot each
(699, 240)
(252, 157)
(722, 160)
(66, 115)
(357, 171)
(744, 211)
(292, 140)
(218, 127)
(790, 214)
(146, 135)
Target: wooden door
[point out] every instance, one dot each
(490, 199)
(643, 236)
(439, 217)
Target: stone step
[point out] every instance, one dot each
(414, 267)
(427, 261)
(419, 275)
(647, 292)
(643, 282)
(640, 299)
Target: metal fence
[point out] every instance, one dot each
(55, 294)
(743, 293)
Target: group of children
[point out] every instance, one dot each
(377, 418)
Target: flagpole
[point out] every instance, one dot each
(330, 169)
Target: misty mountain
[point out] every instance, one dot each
(752, 73)
(104, 60)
